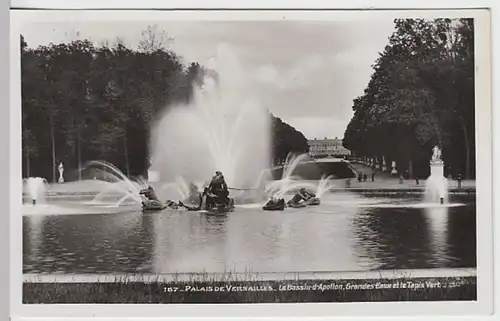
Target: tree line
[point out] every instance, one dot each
(82, 101)
(421, 94)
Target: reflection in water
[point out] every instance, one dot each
(462, 236)
(399, 240)
(335, 236)
(33, 228)
(184, 238)
(437, 220)
(87, 243)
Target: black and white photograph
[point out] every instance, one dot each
(222, 161)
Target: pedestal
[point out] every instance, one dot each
(437, 169)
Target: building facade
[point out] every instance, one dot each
(327, 147)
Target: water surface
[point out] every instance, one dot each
(347, 232)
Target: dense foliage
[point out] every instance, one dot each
(421, 94)
(286, 139)
(85, 102)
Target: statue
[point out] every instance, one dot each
(61, 170)
(436, 155)
(393, 168)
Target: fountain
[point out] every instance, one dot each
(180, 189)
(436, 188)
(289, 181)
(115, 183)
(223, 128)
(324, 185)
(37, 189)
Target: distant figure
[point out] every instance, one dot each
(417, 180)
(459, 179)
(348, 183)
(401, 179)
(373, 176)
(365, 177)
(360, 177)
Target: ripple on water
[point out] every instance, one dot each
(345, 232)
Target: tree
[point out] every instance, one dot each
(415, 98)
(82, 101)
(286, 139)
(154, 40)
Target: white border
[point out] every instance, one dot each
(262, 4)
(483, 127)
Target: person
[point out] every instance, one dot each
(218, 187)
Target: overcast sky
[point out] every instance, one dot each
(307, 73)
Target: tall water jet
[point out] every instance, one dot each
(36, 188)
(223, 128)
(436, 188)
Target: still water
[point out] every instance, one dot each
(347, 232)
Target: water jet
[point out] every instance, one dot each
(223, 128)
(36, 189)
(436, 189)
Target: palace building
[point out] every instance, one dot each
(327, 148)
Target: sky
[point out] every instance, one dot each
(306, 72)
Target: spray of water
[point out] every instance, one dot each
(324, 185)
(36, 188)
(118, 183)
(223, 128)
(436, 186)
(289, 181)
